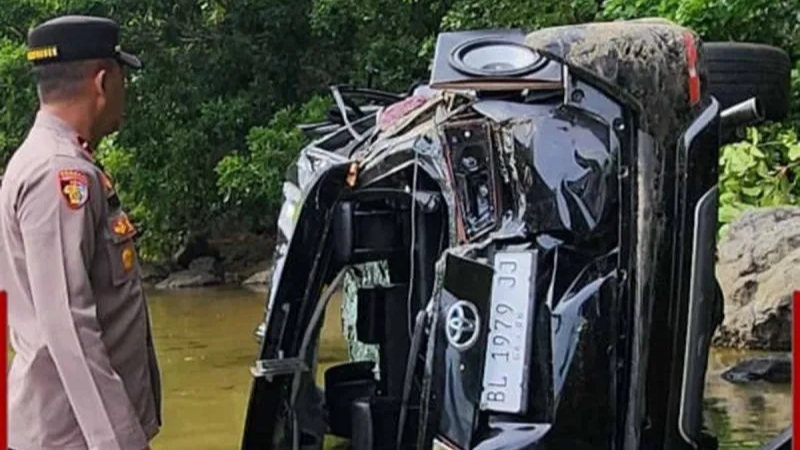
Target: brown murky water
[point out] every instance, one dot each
(206, 345)
(744, 416)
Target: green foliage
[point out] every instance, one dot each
(210, 121)
(356, 37)
(761, 171)
(526, 14)
(251, 182)
(17, 99)
(214, 70)
(765, 21)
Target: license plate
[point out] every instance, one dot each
(506, 368)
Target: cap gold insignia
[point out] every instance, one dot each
(127, 258)
(38, 53)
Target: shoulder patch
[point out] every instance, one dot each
(74, 186)
(122, 227)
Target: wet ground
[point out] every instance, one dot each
(206, 345)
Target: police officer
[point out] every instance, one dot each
(85, 374)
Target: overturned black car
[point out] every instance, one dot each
(546, 210)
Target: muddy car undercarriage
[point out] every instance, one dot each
(548, 232)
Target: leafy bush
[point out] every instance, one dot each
(250, 182)
(17, 99)
(761, 171)
(214, 70)
(120, 163)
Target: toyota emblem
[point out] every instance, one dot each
(462, 325)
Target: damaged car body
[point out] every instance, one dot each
(547, 224)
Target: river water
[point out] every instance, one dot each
(205, 344)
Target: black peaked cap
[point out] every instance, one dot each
(75, 38)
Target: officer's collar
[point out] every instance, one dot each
(54, 123)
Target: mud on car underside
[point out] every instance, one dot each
(533, 236)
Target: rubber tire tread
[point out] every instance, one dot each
(738, 71)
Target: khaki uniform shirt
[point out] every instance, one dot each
(85, 374)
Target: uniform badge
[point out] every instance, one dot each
(127, 258)
(74, 186)
(122, 226)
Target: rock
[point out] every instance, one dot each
(262, 278)
(758, 269)
(260, 281)
(202, 272)
(153, 273)
(232, 278)
(209, 265)
(245, 253)
(769, 369)
(189, 279)
(196, 247)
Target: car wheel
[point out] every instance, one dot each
(739, 71)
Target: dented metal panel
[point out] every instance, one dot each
(582, 177)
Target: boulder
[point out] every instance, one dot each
(153, 273)
(232, 278)
(758, 269)
(262, 278)
(777, 369)
(244, 254)
(196, 247)
(259, 281)
(207, 265)
(202, 272)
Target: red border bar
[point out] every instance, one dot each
(4, 372)
(795, 369)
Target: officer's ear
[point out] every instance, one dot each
(100, 80)
(102, 75)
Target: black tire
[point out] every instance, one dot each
(738, 71)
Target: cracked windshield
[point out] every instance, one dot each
(396, 224)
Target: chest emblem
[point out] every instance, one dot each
(127, 258)
(74, 186)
